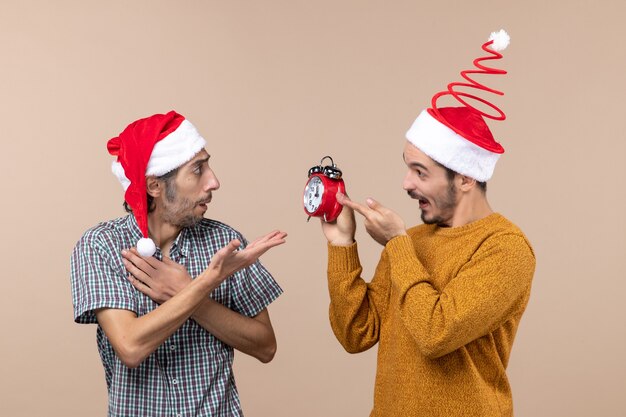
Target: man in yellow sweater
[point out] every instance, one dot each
(447, 296)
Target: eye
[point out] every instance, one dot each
(198, 170)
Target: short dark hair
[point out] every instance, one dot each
(451, 174)
(167, 178)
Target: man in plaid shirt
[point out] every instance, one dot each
(171, 310)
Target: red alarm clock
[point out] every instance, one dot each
(321, 189)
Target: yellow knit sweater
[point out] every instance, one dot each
(444, 306)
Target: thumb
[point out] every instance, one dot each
(233, 245)
(226, 251)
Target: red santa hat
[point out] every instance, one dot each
(458, 137)
(155, 146)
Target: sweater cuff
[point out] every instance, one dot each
(343, 258)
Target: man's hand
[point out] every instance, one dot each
(162, 280)
(158, 280)
(228, 260)
(341, 231)
(381, 223)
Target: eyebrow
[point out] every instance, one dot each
(415, 164)
(418, 165)
(199, 162)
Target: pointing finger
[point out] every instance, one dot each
(345, 201)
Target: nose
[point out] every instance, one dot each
(407, 182)
(212, 183)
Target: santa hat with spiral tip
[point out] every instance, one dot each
(458, 137)
(155, 146)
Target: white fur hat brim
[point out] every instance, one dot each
(450, 149)
(171, 152)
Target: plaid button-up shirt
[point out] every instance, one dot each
(191, 373)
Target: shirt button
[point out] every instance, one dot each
(174, 381)
(172, 347)
(179, 415)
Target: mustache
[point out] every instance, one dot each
(416, 196)
(205, 200)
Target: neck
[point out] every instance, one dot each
(471, 208)
(162, 233)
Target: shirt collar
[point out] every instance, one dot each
(133, 227)
(181, 242)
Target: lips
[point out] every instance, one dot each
(205, 201)
(423, 202)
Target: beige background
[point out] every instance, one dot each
(273, 86)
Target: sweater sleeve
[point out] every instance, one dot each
(490, 289)
(356, 307)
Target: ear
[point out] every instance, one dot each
(466, 183)
(154, 187)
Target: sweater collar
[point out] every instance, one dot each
(475, 225)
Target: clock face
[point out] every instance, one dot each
(313, 194)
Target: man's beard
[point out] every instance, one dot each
(445, 205)
(173, 216)
(180, 213)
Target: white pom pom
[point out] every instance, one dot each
(146, 247)
(500, 40)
